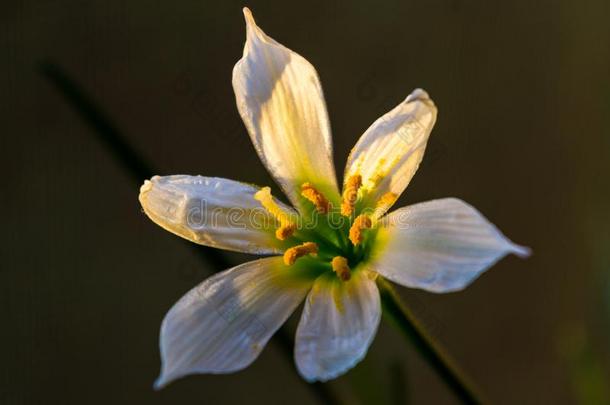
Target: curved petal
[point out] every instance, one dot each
(388, 154)
(223, 324)
(211, 211)
(280, 100)
(337, 326)
(440, 245)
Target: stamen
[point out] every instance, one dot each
(350, 194)
(341, 267)
(312, 194)
(287, 227)
(355, 232)
(386, 201)
(285, 231)
(291, 255)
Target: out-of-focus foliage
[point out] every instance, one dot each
(586, 357)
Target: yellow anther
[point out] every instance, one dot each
(355, 232)
(285, 231)
(350, 194)
(292, 254)
(287, 227)
(312, 194)
(341, 267)
(386, 201)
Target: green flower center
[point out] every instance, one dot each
(333, 234)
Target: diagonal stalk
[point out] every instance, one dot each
(404, 319)
(136, 166)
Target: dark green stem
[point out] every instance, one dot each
(405, 321)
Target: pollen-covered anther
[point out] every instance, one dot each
(292, 254)
(340, 266)
(386, 201)
(361, 223)
(350, 194)
(287, 227)
(285, 231)
(317, 198)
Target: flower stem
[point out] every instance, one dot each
(403, 318)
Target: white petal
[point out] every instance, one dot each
(280, 100)
(211, 211)
(223, 324)
(388, 154)
(338, 324)
(440, 245)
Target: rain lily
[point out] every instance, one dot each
(329, 247)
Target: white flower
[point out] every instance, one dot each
(330, 248)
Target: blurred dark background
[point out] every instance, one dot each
(523, 134)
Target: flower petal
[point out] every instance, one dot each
(337, 326)
(388, 154)
(440, 245)
(280, 100)
(211, 211)
(223, 324)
